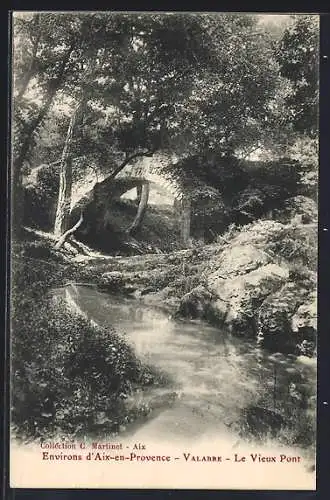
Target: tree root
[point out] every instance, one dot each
(67, 233)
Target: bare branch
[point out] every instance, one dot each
(128, 159)
(45, 108)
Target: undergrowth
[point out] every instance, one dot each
(69, 376)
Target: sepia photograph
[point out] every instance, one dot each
(164, 250)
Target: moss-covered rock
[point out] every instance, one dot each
(239, 297)
(196, 304)
(260, 282)
(114, 281)
(276, 314)
(304, 325)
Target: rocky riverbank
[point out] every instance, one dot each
(262, 284)
(258, 281)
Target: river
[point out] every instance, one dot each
(223, 388)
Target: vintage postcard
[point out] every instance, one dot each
(163, 306)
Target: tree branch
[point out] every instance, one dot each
(44, 110)
(128, 159)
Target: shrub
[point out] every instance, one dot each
(66, 371)
(69, 375)
(296, 243)
(40, 198)
(209, 213)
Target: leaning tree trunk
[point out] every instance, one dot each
(64, 198)
(28, 140)
(185, 221)
(65, 188)
(65, 184)
(141, 208)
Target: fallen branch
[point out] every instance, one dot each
(64, 236)
(81, 247)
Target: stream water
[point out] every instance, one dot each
(221, 385)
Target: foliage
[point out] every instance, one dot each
(228, 103)
(305, 151)
(297, 53)
(120, 66)
(210, 215)
(226, 190)
(202, 86)
(174, 82)
(66, 372)
(300, 209)
(297, 244)
(40, 198)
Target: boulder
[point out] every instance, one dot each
(239, 297)
(258, 281)
(258, 234)
(304, 325)
(196, 303)
(241, 278)
(287, 318)
(236, 260)
(274, 317)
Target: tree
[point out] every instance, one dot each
(171, 82)
(231, 104)
(49, 56)
(126, 93)
(41, 61)
(65, 168)
(187, 84)
(297, 53)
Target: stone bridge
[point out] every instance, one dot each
(115, 188)
(108, 191)
(97, 204)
